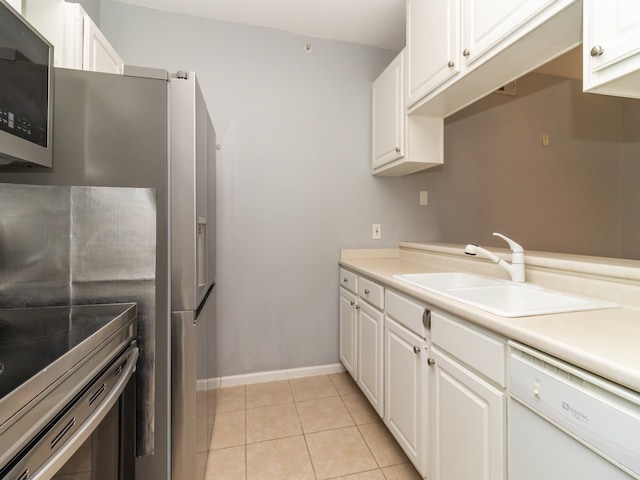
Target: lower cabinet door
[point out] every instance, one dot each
(370, 332)
(348, 329)
(406, 391)
(467, 423)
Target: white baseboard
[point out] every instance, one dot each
(207, 384)
(272, 376)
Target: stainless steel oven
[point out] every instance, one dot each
(67, 378)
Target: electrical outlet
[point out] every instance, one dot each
(376, 231)
(545, 139)
(424, 197)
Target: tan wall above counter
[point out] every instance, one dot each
(579, 195)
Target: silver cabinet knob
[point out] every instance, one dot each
(345, 279)
(397, 149)
(357, 307)
(416, 349)
(366, 291)
(466, 52)
(352, 303)
(451, 64)
(597, 50)
(431, 362)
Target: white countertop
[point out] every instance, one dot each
(604, 342)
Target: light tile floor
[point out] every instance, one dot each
(311, 428)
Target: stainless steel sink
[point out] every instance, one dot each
(503, 297)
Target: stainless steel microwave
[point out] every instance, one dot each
(26, 92)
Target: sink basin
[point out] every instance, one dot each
(502, 297)
(448, 280)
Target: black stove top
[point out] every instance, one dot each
(31, 339)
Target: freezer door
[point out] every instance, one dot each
(183, 395)
(192, 215)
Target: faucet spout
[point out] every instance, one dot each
(515, 268)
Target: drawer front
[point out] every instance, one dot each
(349, 280)
(371, 292)
(481, 352)
(406, 311)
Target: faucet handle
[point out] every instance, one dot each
(514, 246)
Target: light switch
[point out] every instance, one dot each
(424, 197)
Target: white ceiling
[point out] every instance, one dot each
(377, 23)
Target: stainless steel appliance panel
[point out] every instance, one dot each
(112, 131)
(116, 131)
(189, 196)
(183, 406)
(34, 246)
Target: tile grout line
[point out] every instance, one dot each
(304, 435)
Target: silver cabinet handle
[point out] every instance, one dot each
(431, 362)
(597, 50)
(466, 52)
(352, 303)
(357, 307)
(451, 64)
(426, 318)
(397, 149)
(366, 291)
(416, 349)
(345, 279)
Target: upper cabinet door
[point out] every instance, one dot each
(486, 23)
(433, 45)
(388, 111)
(98, 54)
(612, 47)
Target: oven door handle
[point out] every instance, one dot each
(57, 460)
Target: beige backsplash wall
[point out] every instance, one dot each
(578, 195)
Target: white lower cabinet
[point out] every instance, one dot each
(406, 351)
(438, 381)
(348, 334)
(406, 391)
(370, 374)
(361, 331)
(467, 427)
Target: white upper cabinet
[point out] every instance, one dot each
(387, 97)
(433, 45)
(611, 47)
(16, 4)
(77, 41)
(462, 50)
(401, 145)
(487, 23)
(97, 53)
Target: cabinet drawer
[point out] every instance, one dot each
(349, 280)
(371, 292)
(483, 353)
(406, 311)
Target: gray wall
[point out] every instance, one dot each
(578, 195)
(294, 183)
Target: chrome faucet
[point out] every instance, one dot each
(515, 268)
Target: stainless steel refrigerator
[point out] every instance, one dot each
(147, 128)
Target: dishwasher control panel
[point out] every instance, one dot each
(600, 414)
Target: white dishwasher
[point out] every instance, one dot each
(565, 423)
